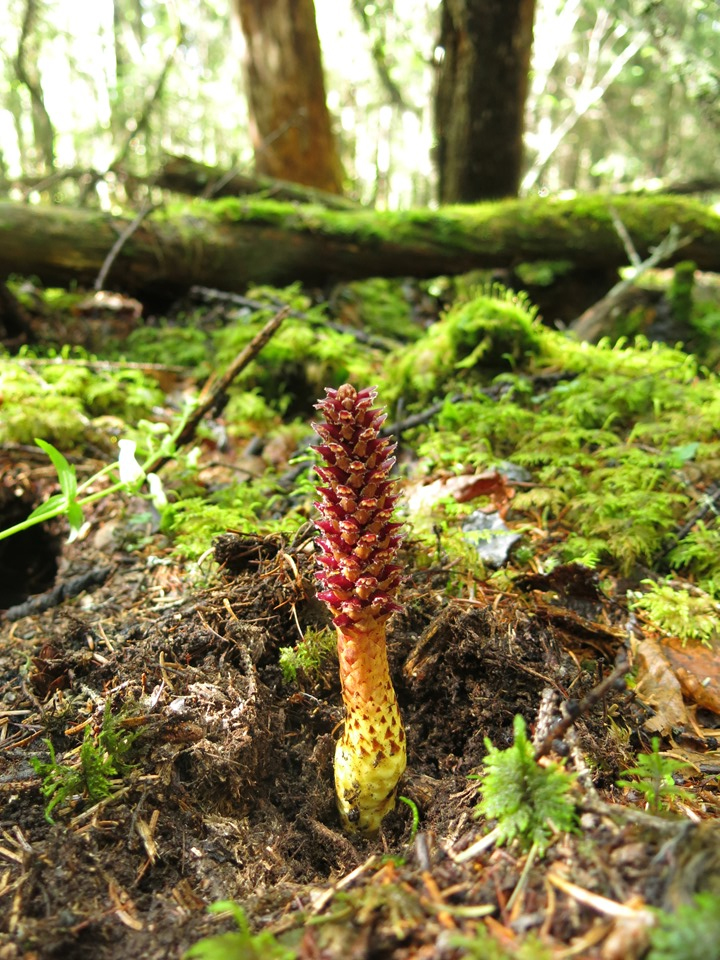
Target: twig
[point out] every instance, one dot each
(710, 501)
(63, 591)
(589, 324)
(633, 255)
(99, 365)
(214, 388)
(120, 243)
(417, 419)
(577, 710)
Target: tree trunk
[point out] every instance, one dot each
(480, 98)
(28, 73)
(229, 244)
(289, 120)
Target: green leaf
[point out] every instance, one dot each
(53, 507)
(240, 944)
(691, 933)
(65, 472)
(76, 520)
(527, 800)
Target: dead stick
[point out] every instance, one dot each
(119, 244)
(214, 388)
(577, 710)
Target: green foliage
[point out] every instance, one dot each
(308, 656)
(184, 346)
(194, 521)
(303, 357)
(101, 758)
(381, 306)
(31, 408)
(129, 476)
(607, 445)
(653, 777)
(238, 944)
(55, 400)
(681, 291)
(542, 273)
(249, 413)
(697, 553)
(483, 946)
(495, 330)
(415, 812)
(679, 613)
(527, 800)
(691, 933)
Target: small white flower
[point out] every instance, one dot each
(130, 469)
(157, 493)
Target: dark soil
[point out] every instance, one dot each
(229, 796)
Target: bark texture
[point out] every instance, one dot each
(480, 97)
(289, 120)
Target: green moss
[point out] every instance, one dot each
(681, 291)
(381, 306)
(494, 331)
(307, 657)
(31, 408)
(679, 613)
(607, 444)
(194, 522)
(183, 346)
(542, 273)
(303, 357)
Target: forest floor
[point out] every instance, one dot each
(217, 776)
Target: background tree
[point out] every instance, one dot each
(484, 59)
(26, 69)
(289, 120)
(132, 80)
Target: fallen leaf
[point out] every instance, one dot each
(658, 687)
(697, 667)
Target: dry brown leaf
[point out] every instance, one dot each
(463, 489)
(697, 668)
(658, 687)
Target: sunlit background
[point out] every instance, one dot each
(610, 103)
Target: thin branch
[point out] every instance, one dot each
(212, 393)
(590, 323)
(28, 76)
(119, 244)
(380, 58)
(588, 94)
(581, 709)
(621, 231)
(372, 340)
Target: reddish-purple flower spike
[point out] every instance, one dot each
(358, 579)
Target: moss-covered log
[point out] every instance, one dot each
(184, 175)
(232, 242)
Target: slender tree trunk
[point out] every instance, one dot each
(27, 72)
(480, 99)
(290, 124)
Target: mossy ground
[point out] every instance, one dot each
(227, 794)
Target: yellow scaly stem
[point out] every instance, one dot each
(370, 756)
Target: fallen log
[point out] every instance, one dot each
(185, 175)
(230, 243)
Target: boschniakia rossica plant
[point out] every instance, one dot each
(359, 578)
